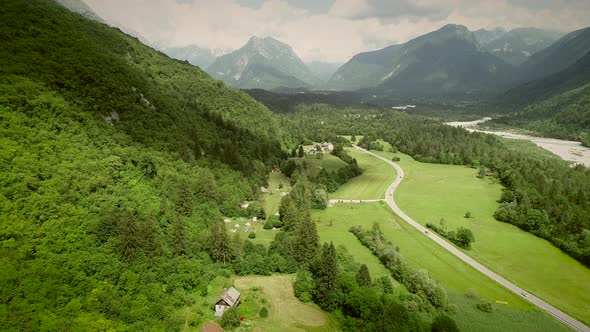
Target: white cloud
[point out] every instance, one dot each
(349, 27)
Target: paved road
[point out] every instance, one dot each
(565, 318)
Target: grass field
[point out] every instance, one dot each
(286, 312)
(456, 276)
(377, 176)
(315, 165)
(432, 192)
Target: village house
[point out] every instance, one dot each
(228, 299)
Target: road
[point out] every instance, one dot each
(565, 318)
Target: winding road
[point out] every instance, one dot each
(565, 318)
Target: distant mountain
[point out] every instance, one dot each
(323, 70)
(447, 61)
(198, 56)
(516, 45)
(485, 36)
(80, 7)
(263, 63)
(542, 88)
(557, 57)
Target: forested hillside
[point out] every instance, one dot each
(115, 163)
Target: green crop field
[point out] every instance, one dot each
(456, 276)
(433, 192)
(371, 184)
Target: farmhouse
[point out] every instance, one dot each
(229, 298)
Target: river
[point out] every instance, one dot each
(567, 150)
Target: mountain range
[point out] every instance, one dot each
(449, 60)
(263, 63)
(196, 55)
(517, 45)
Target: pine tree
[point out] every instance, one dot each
(386, 285)
(219, 246)
(179, 243)
(363, 278)
(301, 152)
(327, 296)
(306, 243)
(237, 247)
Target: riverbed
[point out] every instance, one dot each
(567, 150)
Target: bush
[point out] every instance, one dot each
(444, 323)
(485, 306)
(395, 159)
(252, 235)
(263, 312)
(231, 318)
(267, 224)
(467, 214)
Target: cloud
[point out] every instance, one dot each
(327, 30)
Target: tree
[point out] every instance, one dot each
(231, 318)
(263, 312)
(353, 138)
(386, 285)
(301, 152)
(464, 237)
(252, 235)
(363, 278)
(179, 243)
(444, 323)
(467, 214)
(306, 243)
(482, 172)
(219, 247)
(326, 294)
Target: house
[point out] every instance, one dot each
(311, 151)
(212, 327)
(228, 299)
(328, 146)
(244, 205)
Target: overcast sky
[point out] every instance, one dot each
(328, 30)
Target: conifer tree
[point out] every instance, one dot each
(363, 278)
(306, 243)
(326, 295)
(219, 246)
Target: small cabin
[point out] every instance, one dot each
(228, 299)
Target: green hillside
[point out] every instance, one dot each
(566, 116)
(115, 162)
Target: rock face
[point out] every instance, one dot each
(263, 63)
(449, 60)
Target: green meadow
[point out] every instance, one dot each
(422, 253)
(432, 192)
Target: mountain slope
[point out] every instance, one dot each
(263, 63)
(517, 45)
(80, 7)
(115, 162)
(557, 57)
(196, 55)
(565, 116)
(448, 60)
(570, 78)
(485, 36)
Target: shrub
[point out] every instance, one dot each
(263, 312)
(485, 306)
(444, 323)
(395, 159)
(231, 318)
(267, 224)
(252, 235)
(467, 214)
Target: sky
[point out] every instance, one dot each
(327, 30)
